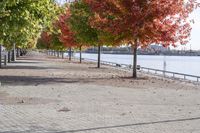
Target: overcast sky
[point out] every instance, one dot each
(195, 34)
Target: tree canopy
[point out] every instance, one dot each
(144, 22)
(22, 21)
(115, 22)
(151, 21)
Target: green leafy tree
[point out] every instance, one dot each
(22, 21)
(84, 33)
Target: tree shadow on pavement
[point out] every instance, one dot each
(35, 80)
(25, 62)
(40, 80)
(29, 67)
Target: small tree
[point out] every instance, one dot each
(67, 36)
(45, 40)
(85, 34)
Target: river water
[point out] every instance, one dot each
(180, 64)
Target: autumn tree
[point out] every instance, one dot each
(67, 36)
(144, 22)
(79, 24)
(85, 34)
(45, 41)
(49, 38)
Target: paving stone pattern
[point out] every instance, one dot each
(91, 108)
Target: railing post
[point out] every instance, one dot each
(164, 73)
(184, 77)
(197, 79)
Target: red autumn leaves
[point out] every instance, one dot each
(151, 21)
(136, 22)
(67, 37)
(46, 39)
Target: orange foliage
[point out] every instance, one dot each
(151, 21)
(67, 37)
(46, 39)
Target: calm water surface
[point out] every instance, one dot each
(181, 64)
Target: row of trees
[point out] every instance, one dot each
(21, 21)
(138, 23)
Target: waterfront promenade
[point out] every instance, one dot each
(41, 94)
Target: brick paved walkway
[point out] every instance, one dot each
(35, 103)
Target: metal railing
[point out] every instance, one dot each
(172, 74)
(167, 74)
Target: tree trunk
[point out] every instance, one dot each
(99, 56)
(9, 59)
(135, 58)
(58, 54)
(70, 54)
(0, 56)
(13, 53)
(5, 60)
(18, 52)
(80, 50)
(62, 54)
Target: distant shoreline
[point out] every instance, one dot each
(142, 54)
